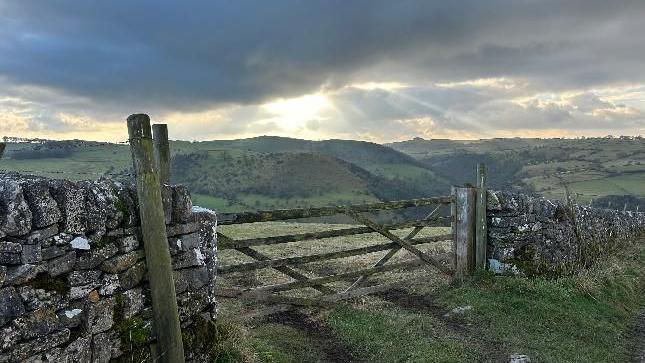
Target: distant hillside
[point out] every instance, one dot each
(388, 173)
(258, 173)
(252, 180)
(276, 172)
(592, 167)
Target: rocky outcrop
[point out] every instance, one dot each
(73, 284)
(536, 236)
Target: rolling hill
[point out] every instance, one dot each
(257, 173)
(276, 172)
(591, 167)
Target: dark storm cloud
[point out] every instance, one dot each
(191, 55)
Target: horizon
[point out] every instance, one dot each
(12, 139)
(376, 71)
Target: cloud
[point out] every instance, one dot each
(389, 69)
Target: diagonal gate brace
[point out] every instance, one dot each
(284, 269)
(394, 238)
(393, 251)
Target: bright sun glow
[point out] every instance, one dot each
(294, 113)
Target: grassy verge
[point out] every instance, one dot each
(576, 319)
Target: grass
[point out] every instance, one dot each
(580, 318)
(284, 344)
(393, 335)
(575, 319)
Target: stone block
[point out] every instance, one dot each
(44, 209)
(121, 263)
(78, 351)
(93, 258)
(100, 315)
(133, 276)
(10, 247)
(189, 241)
(41, 235)
(109, 284)
(182, 228)
(9, 336)
(25, 350)
(82, 291)
(127, 206)
(38, 323)
(34, 298)
(52, 252)
(63, 264)
(50, 356)
(191, 303)
(31, 253)
(122, 231)
(103, 347)
(15, 215)
(127, 244)
(21, 274)
(133, 302)
(78, 278)
(70, 198)
(190, 279)
(190, 258)
(8, 258)
(10, 305)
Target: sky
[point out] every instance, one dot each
(371, 70)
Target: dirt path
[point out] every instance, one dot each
(409, 301)
(637, 339)
(326, 341)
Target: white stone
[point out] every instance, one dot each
(200, 257)
(198, 209)
(80, 243)
(72, 313)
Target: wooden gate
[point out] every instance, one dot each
(457, 263)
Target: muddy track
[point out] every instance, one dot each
(637, 339)
(325, 340)
(422, 303)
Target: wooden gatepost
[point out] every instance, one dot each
(153, 229)
(463, 229)
(481, 233)
(469, 226)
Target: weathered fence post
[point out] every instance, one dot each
(481, 238)
(155, 242)
(463, 226)
(162, 152)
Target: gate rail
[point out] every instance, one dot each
(457, 264)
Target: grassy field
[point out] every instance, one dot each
(83, 161)
(580, 318)
(593, 167)
(274, 172)
(249, 174)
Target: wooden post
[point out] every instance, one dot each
(463, 231)
(481, 237)
(162, 152)
(155, 242)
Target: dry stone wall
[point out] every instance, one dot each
(535, 236)
(73, 284)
